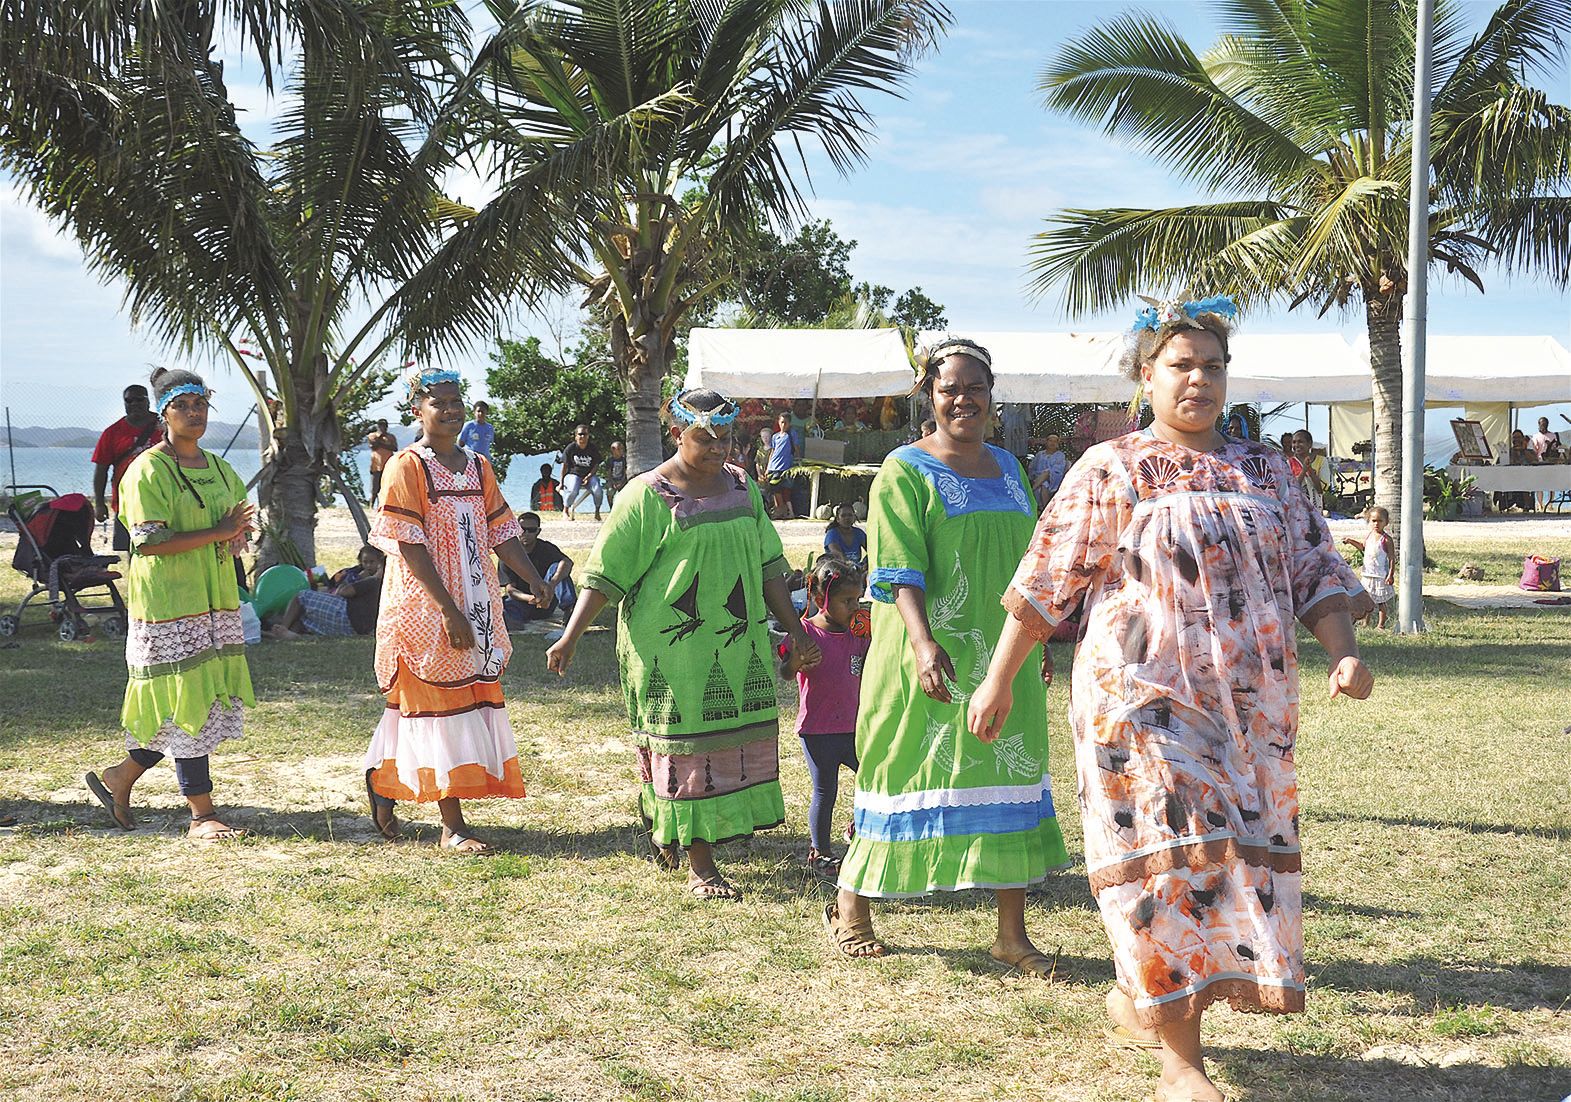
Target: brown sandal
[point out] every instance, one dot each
(852, 942)
(225, 834)
(713, 887)
(1036, 964)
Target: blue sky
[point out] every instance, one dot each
(959, 177)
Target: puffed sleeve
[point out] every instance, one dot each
(401, 518)
(147, 503)
(500, 522)
(771, 552)
(1322, 580)
(1074, 546)
(628, 541)
(896, 530)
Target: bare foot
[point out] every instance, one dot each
(710, 885)
(1188, 1085)
(467, 844)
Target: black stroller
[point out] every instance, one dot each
(54, 550)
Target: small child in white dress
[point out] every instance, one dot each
(1379, 562)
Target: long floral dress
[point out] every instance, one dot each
(1193, 567)
(185, 648)
(694, 651)
(936, 809)
(444, 732)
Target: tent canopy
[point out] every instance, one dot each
(1524, 371)
(799, 363)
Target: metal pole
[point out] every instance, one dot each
(10, 447)
(1410, 603)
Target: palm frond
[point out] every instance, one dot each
(1530, 234)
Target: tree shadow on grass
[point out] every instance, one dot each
(1268, 1076)
(1431, 983)
(1326, 905)
(1551, 833)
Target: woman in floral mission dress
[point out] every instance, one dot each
(1194, 554)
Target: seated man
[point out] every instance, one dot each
(350, 608)
(554, 568)
(545, 494)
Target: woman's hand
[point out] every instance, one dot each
(459, 633)
(804, 652)
(1350, 677)
(235, 524)
(559, 655)
(1047, 664)
(989, 708)
(540, 592)
(934, 670)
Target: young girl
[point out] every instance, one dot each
(440, 642)
(830, 690)
(844, 538)
(1378, 571)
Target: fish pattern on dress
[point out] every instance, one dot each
(1192, 568)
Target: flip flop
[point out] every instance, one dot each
(228, 834)
(1122, 1037)
(713, 887)
(1036, 964)
(456, 842)
(392, 830)
(101, 793)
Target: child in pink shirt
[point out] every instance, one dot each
(829, 692)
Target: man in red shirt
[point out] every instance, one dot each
(120, 443)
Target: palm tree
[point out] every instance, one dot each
(1302, 114)
(689, 111)
(314, 257)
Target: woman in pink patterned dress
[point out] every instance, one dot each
(1194, 553)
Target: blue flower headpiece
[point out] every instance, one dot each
(1178, 312)
(421, 381)
(706, 419)
(175, 391)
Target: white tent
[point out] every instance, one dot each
(1523, 371)
(799, 363)
(1084, 367)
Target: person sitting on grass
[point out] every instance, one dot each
(843, 538)
(519, 604)
(829, 692)
(349, 608)
(545, 496)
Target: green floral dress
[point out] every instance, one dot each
(694, 652)
(936, 809)
(185, 648)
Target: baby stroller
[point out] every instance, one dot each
(54, 550)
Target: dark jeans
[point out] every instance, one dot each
(825, 755)
(122, 540)
(191, 774)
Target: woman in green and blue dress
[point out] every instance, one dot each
(692, 560)
(936, 809)
(187, 513)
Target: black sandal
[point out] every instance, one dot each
(391, 830)
(101, 793)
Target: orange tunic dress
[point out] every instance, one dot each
(1193, 567)
(444, 732)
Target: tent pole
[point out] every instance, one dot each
(1410, 603)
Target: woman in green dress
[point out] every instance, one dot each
(936, 808)
(692, 560)
(188, 517)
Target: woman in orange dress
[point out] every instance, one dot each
(1194, 554)
(441, 644)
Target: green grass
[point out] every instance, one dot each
(311, 962)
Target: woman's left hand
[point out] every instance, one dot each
(1350, 677)
(804, 651)
(541, 592)
(989, 708)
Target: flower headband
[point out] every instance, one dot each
(1178, 312)
(175, 391)
(706, 419)
(420, 382)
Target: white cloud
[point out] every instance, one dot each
(26, 231)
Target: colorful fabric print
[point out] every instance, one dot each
(445, 731)
(185, 649)
(693, 648)
(936, 809)
(1192, 568)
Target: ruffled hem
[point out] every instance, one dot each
(470, 755)
(185, 699)
(1242, 994)
(715, 820)
(225, 721)
(1196, 856)
(903, 870)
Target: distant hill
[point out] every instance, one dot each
(218, 434)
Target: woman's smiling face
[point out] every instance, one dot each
(962, 399)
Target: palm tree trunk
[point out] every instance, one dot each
(644, 450)
(1384, 320)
